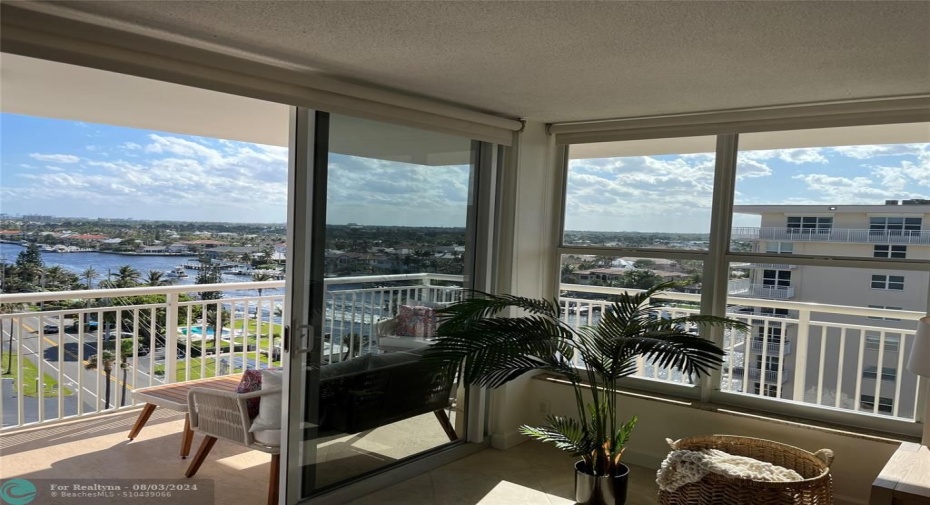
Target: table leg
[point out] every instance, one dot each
(187, 438)
(141, 420)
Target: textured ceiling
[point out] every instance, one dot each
(569, 60)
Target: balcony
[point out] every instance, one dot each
(771, 376)
(769, 266)
(89, 440)
(763, 291)
(833, 235)
(772, 348)
(177, 339)
(96, 448)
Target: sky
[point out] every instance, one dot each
(74, 169)
(673, 193)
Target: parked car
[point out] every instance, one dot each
(143, 350)
(50, 328)
(110, 335)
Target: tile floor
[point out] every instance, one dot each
(531, 473)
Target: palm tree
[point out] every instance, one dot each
(107, 360)
(10, 308)
(261, 277)
(490, 350)
(127, 277)
(89, 275)
(154, 278)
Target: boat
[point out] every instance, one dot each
(178, 272)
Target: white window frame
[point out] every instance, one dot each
(717, 261)
(820, 224)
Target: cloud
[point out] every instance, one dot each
(863, 152)
(55, 158)
(795, 156)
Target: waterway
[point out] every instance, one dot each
(104, 263)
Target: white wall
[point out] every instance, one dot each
(529, 267)
(858, 459)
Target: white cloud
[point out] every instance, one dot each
(795, 156)
(55, 158)
(871, 151)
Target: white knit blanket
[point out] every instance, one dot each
(684, 467)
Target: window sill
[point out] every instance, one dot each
(729, 410)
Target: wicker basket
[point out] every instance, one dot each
(714, 489)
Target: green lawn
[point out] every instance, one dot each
(209, 366)
(30, 374)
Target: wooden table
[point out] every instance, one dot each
(905, 479)
(174, 397)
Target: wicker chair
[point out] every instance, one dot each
(223, 415)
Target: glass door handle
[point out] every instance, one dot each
(303, 342)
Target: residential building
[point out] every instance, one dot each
(896, 231)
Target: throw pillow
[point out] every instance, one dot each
(269, 409)
(416, 321)
(251, 381)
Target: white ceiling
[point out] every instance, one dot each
(566, 60)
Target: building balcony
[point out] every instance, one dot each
(772, 348)
(755, 374)
(863, 236)
(763, 291)
(769, 266)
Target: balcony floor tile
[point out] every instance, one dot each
(97, 448)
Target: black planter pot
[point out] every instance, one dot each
(607, 490)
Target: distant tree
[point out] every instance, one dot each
(107, 360)
(127, 277)
(154, 278)
(210, 274)
(261, 277)
(640, 279)
(89, 275)
(644, 263)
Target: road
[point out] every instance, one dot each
(62, 355)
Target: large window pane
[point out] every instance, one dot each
(650, 193)
(396, 248)
(591, 283)
(843, 192)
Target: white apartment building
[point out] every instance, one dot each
(862, 355)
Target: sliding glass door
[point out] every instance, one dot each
(384, 235)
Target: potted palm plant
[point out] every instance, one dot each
(489, 349)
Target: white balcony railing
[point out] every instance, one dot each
(138, 337)
(772, 347)
(771, 376)
(763, 291)
(822, 348)
(833, 235)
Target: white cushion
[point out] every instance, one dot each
(267, 437)
(269, 409)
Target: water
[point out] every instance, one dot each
(77, 262)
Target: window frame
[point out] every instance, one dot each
(717, 260)
(887, 282)
(894, 251)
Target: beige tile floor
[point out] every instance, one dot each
(97, 448)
